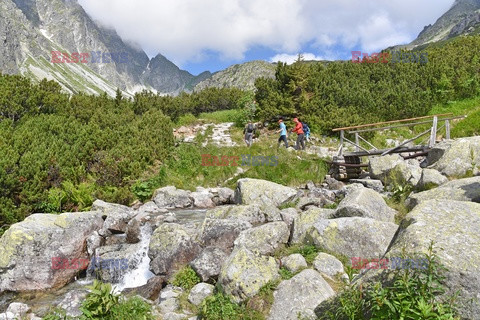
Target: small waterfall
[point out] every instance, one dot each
(140, 275)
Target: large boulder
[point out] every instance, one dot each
(251, 213)
(28, 249)
(222, 232)
(112, 262)
(305, 221)
(365, 203)
(262, 192)
(209, 263)
(352, 237)
(453, 228)
(199, 292)
(245, 272)
(380, 167)
(298, 297)
(171, 247)
(455, 158)
(430, 179)
(222, 196)
(171, 197)
(328, 265)
(460, 190)
(264, 239)
(117, 219)
(202, 198)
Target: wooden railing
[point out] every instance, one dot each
(435, 120)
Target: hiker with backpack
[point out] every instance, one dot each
(306, 130)
(248, 131)
(283, 133)
(300, 134)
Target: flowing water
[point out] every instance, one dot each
(41, 302)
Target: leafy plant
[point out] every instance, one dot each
(100, 301)
(220, 307)
(186, 278)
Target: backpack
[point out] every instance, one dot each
(305, 128)
(250, 128)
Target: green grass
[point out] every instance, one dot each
(222, 116)
(221, 307)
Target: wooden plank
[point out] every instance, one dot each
(393, 121)
(405, 142)
(433, 136)
(379, 152)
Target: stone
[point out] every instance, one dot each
(72, 302)
(199, 292)
(209, 263)
(352, 237)
(288, 216)
(333, 184)
(294, 262)
(171, 197)
(455, 158)
(150, 290)
(245, 272)
(430, 179)
(365, 203)
(262, 192)
(20, 310)
(467, 189)
(380, 167)
(264, 239)
(117, 215)
(168, 300)
(305, 221)
(93, 242)
(28, 247)
(251, 213)
(202, 199)
(373, 184)
(133, 231)
(310, 201)
(171, 247)
(328, 265)
(453, 227)
(222, 232)
(298, 297)
(112, 262)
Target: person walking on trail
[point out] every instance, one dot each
(306, 130)
(300, 134)
(248, 131)
(283, 133)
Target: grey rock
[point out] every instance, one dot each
(305, 220)
(222, 232)
(20, 310)
(305, 202)
(373, 184)
(168, 300)
(294, 262)
(288, 216)
(264, 239)
(328, 265)
(72, 302)
(365, 203)
(112, 262)
(202, 199)
(118, 216)
(93, 242)
(453, 227)
(150, 290)
(133, 231)
(209, 263)
(431, 178)
(171, 197)
(27, 249)
(333, 184)
(299, 296)
(251, 213)
(262, 192)
(171, 246)
(352, 237)
(380, 167)
(245, 272)
(199, 292)
(460, 190)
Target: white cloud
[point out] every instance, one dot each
(291, 58)
(187, 30)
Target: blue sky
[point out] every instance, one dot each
(214, 34)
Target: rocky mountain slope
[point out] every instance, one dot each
(31, 29)
(462, 18)
(240, 76)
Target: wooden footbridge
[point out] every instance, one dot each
(349, 165)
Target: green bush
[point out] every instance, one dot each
(220, 307)
(186, 278)
(411, 294)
